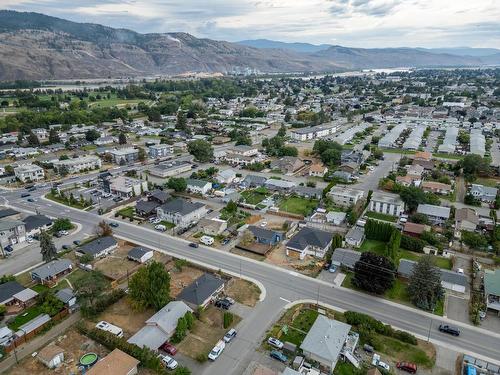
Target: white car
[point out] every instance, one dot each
(160, 227)
(29, 239)
(217, 350)
(263, 224)
(107, 195)
(275, 342)
(169, 362)
(384, 365)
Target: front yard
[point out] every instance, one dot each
(298, 205)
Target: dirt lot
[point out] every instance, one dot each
(126, 317)
(243, 291)
(180, 279)
(310, 266)
(205, 334)
(74, 345)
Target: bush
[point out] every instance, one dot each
(405, 337)
(180, 263)
(180, 330)
(189, 317)
(102, 303)
(228, 319)
(412, 244)
(202, 357)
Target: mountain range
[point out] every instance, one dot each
(37, 46)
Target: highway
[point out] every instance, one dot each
(281, 287)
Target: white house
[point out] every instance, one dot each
(76, 165)
(344, 196)
(181, 212)
(196, 186)
(226, 176)
(140, 255)
(386, 203)
(29, 173)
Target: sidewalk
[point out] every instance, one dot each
(38, 342)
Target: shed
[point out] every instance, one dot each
(345, 257)
(51, 356)
(140, 255)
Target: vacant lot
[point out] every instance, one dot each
(126, 317)
(243, 291)
(179, 279)
(116, 265)
(297, 205)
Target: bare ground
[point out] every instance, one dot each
(243, 291)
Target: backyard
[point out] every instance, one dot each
(298, 205)
(254, 196)
(23, 318)
(380, 216)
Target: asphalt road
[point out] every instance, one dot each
(282, 287)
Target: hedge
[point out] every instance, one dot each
(103, 302)
(228, 319)
(412, 244)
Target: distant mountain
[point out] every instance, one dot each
(36, 46)
(464, 51)
(296, 47)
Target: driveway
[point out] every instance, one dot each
(457, 308)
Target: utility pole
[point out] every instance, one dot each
(429, 333)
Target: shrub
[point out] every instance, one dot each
(405, 337)
(189, 317)
(202, 357)
(228, 319)
(412, 244)
(180, 330)
(180, 263)
(102, 303)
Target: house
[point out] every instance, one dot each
(125, 155)
(146, 208)
(173, 168)
(313, 132)
(67, 297)
(287, 164)
(99, 247)
(414, 170)
(33, 325)
(33, 224)
(408, 180)
(6, 336)
(335, 217)
(159, 196)
(318, 170)
(414, 229)
(226, 176)
(279, 185)
(181, 212)
(483, 193)
(253, 181)
(212, 227)
(466, 219)
(325, 341)
(115, 363)
(492, 289)
(77, 165)
(351, 156)
(450, 280)
(161, 326)
(196, 186)
(309, 241)
(344, 196)
(29, 173)
(244, 150)
(102, 141)
(49, 272)
(342, 176)
(308, 192)
(349, 167)
(355, 236)
(345, 257)
(127, 187)
(12, 232)
(266, 236)
(436, 187)
(386, 203)
(237, 159)
(437, 215)
(160, 151)
(51, 356)
(422, 155)
(202, 291)
(14, 294)
(140, 255)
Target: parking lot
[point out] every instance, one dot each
(100, 198)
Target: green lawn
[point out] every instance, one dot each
(298, 205)
(298, 329)
(398, 292)
(167, 224)
(447, 156)
(89, 147)
(58, 199)
(28, 314)
(127, 212)
(253, 196)
(377, 247)
(77, 274)
(491, 182)
(379, 216)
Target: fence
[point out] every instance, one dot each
(285, 214)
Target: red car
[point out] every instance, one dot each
(407, 366)
(169, 348)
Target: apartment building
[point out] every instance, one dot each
(77, 165)
(160, 151)
(386, 203)
(29, 173)
(344, 196)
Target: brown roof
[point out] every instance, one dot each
(435, 185)
(414, 228)
(427, 164)
(317, 168)
(466, 214)
(423, 155)
(409, 179)
(49, 352)
(115, 363)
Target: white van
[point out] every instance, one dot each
(207, 240)
(111, 328)
(217, 350)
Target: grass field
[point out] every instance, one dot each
(298, 328)
(491, 182)
(379, 216)
(298, 205)
(253, 196)
(376, 247)
(28, 314)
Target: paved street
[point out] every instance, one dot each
(283, 286)
(370, 180)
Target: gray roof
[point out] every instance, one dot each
(160, 195)
(52, 268)
(6, 224)
(345, 257)
(196, 182)
(199, 290)
(160, 326)
(8, 289)
(181, 206)
(33, 324)
(7, 212)
(65, 295)
(25, 295)
(146, 206)
(356, 233)
(405, 269)
(254, 179)
(138, 252)
(326, 338)
(310, 237)
(431, 210)
(96, 246)
(264, 233)
(36, 221)
(307, 191)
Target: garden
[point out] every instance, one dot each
(298, 205)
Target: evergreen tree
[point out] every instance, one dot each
(374, 273)
(424, 287)
(53, 136)
(47, 247)
(122, 139)
(393, 245)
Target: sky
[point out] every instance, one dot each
(353, 23)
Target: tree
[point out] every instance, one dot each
(86, 258)
(92, 134)
(412, 196)
(378, 230)
(374, 273)
(150, 286)
(392, 247)
(122, 138)
(474, 165)
(88, 288)
(103, 229)
(231, 207)
(63, 171)
(201, 150)
(141, 154)
(282, 131)
(61, 224)
(189, 317)
(53, 136)
(33, 140)
(424, 287)
(181, 123)
(49, 303)
(179, 184)
(329, 152)
(47, 247)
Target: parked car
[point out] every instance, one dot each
(384, 365)
(217, 350)
(169, 348)
(77, 242)
(407, 366)
(117, 199)
(8, 248)
(111, 328)
(160, 227)
(25, 195)
(169, 362)
(193, 244)
(449, 329)
(225, 241)
(31, 200)
(29, 239)
(231, 334)
(279, 356)
(107, 195)
(114, 225)
(62, 233)
(326, 266)
(368, 348)
(332, 269)
(230, 300)
(66, 247)
(223, 304)
(275, 342)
